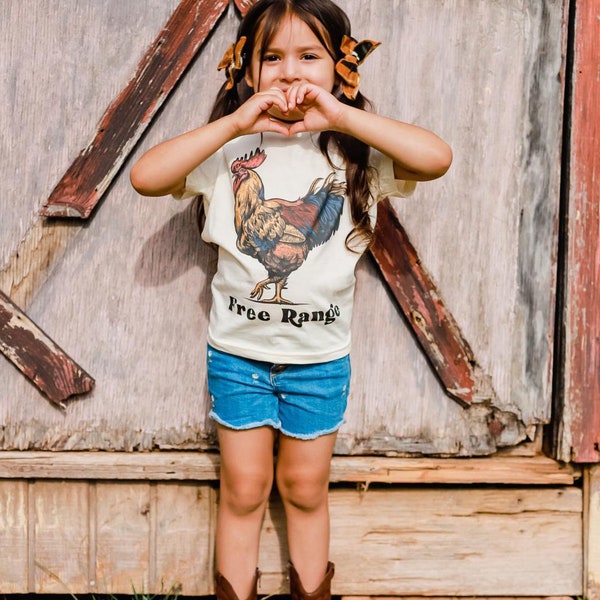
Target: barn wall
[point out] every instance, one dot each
(126, 292)
(506, 527)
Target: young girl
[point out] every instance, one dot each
(290, 167)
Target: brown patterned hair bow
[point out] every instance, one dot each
(347, 67)
(233, 61)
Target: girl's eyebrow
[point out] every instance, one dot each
(302, 49)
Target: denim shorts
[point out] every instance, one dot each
(301, 401)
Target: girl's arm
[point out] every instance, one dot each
(162, 170)
(418, 154)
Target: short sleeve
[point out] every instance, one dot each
(385, 184)
(201, 181)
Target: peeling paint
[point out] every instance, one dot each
(53, 372)
(422, 304)
(125, 120)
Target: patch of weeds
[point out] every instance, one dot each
(173, 593)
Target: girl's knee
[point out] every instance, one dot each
(245, 494)
(305, 491)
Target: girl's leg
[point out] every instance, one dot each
(246, 482)
(303, 482)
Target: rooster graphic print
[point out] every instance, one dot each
(280, 233)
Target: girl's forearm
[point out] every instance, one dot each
(418, 154)
(162, 169)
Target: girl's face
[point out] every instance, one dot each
(294, 55)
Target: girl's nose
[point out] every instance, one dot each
(289, 69)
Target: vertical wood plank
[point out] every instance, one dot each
(582, 327)
(31, 537)
(61, 519)
(185, 538)
(274, 555)
(13, 536)
(592, 533)
(122, 537)
(93, 537)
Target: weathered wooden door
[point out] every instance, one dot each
(126, 291)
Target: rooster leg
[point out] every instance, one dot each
(260, 287)
(278, 298)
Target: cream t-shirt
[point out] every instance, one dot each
(277, 210)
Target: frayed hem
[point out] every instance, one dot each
(277, 427)
(245, 426)
(314, 435)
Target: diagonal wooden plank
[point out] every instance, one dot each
(126, 119)
(424, 308)
(53, 372)
(244, 5)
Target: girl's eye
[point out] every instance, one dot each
(270, 58)
(309, 57)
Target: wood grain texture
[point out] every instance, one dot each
(61, 538)
(423, 306)
(591, 523)
(482, 541)
(391, 530)
(204, 466)
(141, 270)
(579, 438)
(125, 120)
(14, 541)
(38, 357)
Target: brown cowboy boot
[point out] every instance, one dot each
(323, 592)
(224, 591)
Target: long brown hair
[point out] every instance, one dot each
(329, 23)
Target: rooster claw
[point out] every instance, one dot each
(257, 293)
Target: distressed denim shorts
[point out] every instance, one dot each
(301, 401)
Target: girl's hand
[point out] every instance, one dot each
(303, 107)
(253, 116)
(321, 110)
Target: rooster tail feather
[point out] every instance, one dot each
(329, 200)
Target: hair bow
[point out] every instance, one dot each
(347, 67)
(232, 61)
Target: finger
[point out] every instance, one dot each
(297, 127)
(277, 126)
(295, 95)
(280, 99)
(269, 100)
